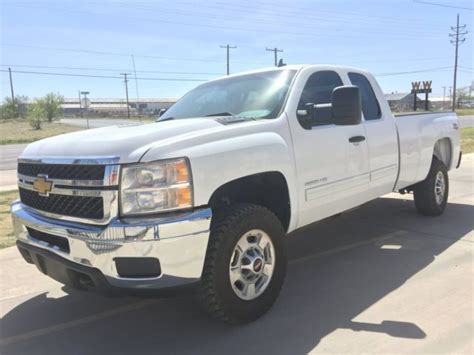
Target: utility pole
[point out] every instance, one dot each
(136, 85)
(457, 39)
(80, 104)
(228, 48)
(275, 51)
(12, 92)
(125, 80)
(85, 93)
(11, 85)
(444, 93)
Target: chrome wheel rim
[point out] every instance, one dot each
(440, 187)
(251, 265)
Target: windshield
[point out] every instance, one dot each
(259, 95)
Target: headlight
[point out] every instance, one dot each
(156, 187)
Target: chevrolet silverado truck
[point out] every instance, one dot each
(203, 198)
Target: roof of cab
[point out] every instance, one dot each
(294, 67)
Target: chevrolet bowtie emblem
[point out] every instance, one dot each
(42, 185)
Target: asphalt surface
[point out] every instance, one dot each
(378, 279)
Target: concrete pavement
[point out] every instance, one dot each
(379, 279)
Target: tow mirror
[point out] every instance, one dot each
(306, 116)
(346, 106)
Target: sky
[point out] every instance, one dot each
(176, 44)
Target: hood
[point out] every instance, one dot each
(128, 142)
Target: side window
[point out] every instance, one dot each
(319, 87)
(370, 105)
(318, 90)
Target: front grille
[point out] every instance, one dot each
(65, 205)
(53, 240)
(63, 171)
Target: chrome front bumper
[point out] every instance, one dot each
(178, 241)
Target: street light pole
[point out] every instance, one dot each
(125, 80)
(85, 93)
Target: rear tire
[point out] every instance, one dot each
(431, 195)
(247, 243)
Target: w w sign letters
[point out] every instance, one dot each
(416, 89)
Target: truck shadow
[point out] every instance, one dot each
(338, 268)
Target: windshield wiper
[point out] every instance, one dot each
(165, 119)
(221, 114)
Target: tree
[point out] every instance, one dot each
(51, 104)
(18, 108)
(461, 96)
(37, 113)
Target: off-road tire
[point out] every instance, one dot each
(424, 192)
(215, 292)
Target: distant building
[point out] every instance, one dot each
(114, 107)
(403, 101)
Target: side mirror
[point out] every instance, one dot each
(306, 116)
(346, 106)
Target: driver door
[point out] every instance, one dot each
(332, 170)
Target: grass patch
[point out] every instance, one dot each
(20, 131)
(467, 140)
(465, 112)
(7, 238)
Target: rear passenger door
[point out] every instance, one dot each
(381, 136)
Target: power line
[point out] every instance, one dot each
(109, 53)
(228, 47)
(457, 34)
(107, 69)
(207, 25)
(308, 13)
(97, 76)
(413, 71)
(442, 5)
(275, 53)
(254, 20)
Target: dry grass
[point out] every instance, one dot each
(20, 131)
(7, 238)
(465, 112)
(467, 140)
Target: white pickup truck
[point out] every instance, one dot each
(204, 197)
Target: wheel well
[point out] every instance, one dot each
(443, 151)
(267, 189)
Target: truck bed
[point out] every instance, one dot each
(418, 133)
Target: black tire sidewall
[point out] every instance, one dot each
(425, 197)
(245, 309)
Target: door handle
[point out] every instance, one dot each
(357, 139)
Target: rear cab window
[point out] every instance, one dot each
(370, 105)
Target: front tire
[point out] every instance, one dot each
(245, 264)
(431, 195)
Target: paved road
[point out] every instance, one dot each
(96, 122)
(379, 279)
(8, 160)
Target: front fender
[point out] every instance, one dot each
(215, 162)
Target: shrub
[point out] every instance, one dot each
(37, 114)
(52, 105)
(14, 109)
